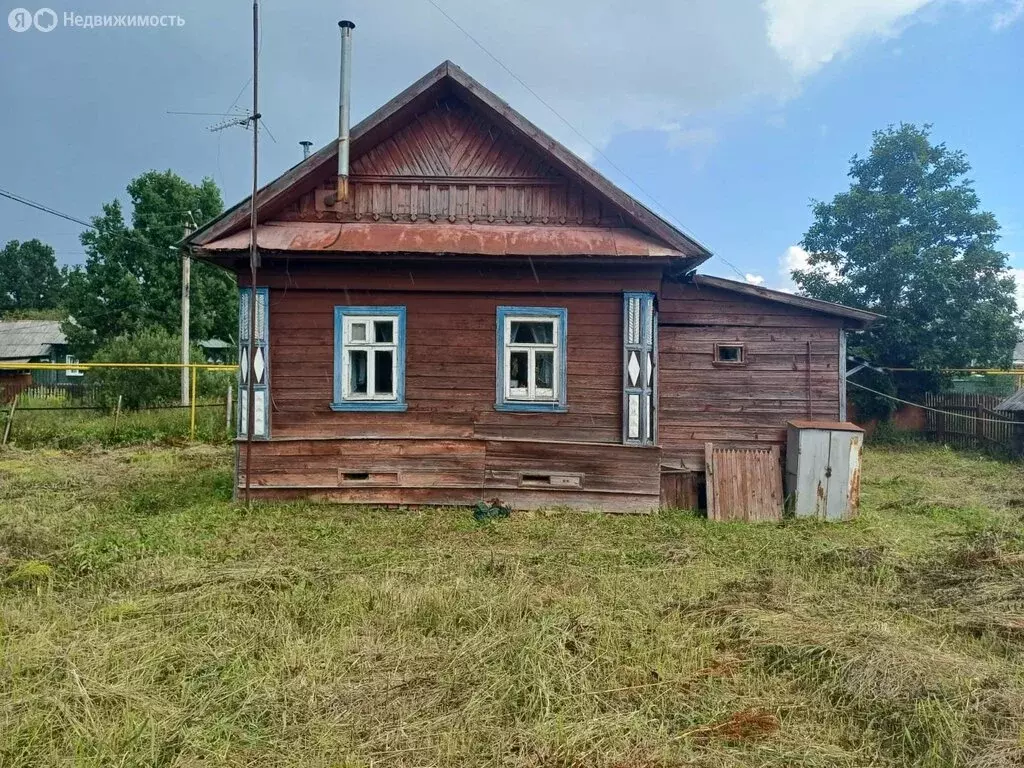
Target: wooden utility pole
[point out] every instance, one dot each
(186, 310)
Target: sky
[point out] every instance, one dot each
(728, 117)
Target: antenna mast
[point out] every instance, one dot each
(254, 255)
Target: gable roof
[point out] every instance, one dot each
(860, 318)
(23, 340)
(447, 78)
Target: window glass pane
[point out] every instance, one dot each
(358, 331)
(728, 354)
(545, 370)
(532, 332)
(357, 371)
(383, 381)
(383, 331)
(519, 367)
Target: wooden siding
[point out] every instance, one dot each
(452, 165)
(455, 471)
(451, 445)
(739, 405)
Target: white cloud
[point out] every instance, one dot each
(1010, 15)
(792, 258)
(808, 34)
(1018, 275)
(607, 68)
(754, 279)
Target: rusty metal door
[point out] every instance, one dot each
(743, 483)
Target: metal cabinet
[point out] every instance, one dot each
(823, 469)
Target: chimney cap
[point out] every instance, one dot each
(346, 24)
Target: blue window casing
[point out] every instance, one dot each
(502, 401)
(246, 368)
(398, 402)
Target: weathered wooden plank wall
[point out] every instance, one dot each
(451, 445)
(740, 405)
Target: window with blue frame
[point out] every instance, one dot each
(531, 359)
(369, 359)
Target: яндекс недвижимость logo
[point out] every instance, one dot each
(46, 20)
(22, 19)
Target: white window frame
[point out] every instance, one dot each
(345, 319)
(72, 360)
(531, 394)
(370, 347)
(531, 398)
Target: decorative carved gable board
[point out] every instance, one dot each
(447, 150)
(451, 141)
(451, 164)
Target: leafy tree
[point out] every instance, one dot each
(131, 280)
(909, 240)
(29, 278)
(148, 387)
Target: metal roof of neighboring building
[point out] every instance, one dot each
(1014, 402)
(27, 339)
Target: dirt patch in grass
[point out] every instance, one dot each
(145, 619)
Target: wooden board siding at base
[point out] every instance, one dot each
(613, 478)
(578, 501)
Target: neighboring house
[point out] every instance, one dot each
(485, 316)
(33, 341)
(216, 350)
(1018, 355)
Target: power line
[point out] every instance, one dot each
(574, 129)
(54, 212)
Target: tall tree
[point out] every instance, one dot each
(131, 280)
(29, 278)
(909, 240)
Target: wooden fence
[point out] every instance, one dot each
(969, 421)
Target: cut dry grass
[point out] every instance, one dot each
(147, 620)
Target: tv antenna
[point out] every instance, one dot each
(238, 117)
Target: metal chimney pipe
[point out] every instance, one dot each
(305, 148)
(344, 98)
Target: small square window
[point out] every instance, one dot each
(729, 354)
(71, 360)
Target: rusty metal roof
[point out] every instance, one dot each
(835, 426)
(446, 78)
(474, 239)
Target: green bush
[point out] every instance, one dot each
(149, 387)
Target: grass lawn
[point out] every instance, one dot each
(146, 620)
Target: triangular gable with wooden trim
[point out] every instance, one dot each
(448, 167)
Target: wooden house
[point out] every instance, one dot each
(24, 342)
(486, 316)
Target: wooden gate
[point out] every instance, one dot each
(743, 483)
